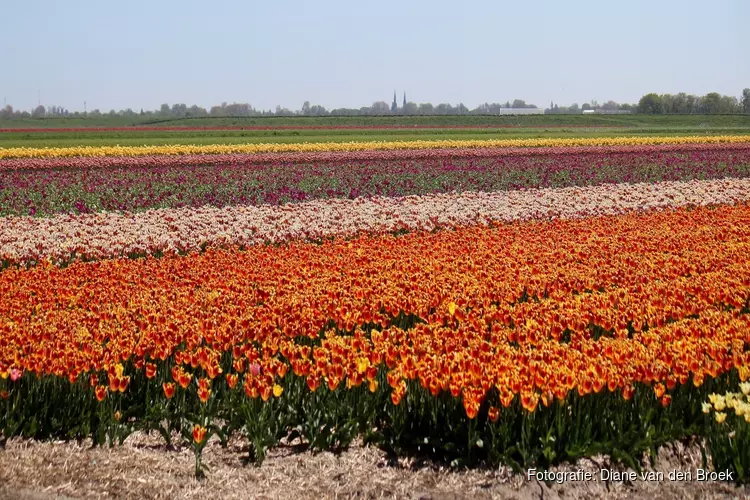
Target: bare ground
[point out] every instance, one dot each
(145, 468)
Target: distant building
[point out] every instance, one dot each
(520, 111)
(611, 111)
(394, 106)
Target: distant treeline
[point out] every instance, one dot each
(682, 103)
(379, 108)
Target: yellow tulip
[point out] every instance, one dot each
(183, 149)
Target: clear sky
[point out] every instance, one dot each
(140, 54)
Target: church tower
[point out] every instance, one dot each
(404, 100)
(394, 106)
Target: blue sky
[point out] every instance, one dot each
(140, 54)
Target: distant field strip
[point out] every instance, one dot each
(156, 128)
(161, 160)
(183, 149)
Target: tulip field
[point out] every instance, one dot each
(524, 301)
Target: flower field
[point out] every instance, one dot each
(523, 302)
(182, 149)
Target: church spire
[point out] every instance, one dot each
(404, 99)
(394, 106)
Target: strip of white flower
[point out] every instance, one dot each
(65, 238)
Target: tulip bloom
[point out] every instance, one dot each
(101, 393)
(169, 389)
(199, 434)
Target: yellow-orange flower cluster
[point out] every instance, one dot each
(308, 147)
(531, 310)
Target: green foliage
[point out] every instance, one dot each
(729, 446)
(728, 437)
(325, 419)
(534, 121)
(650, 104)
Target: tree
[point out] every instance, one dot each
(482, 109)
(443, 109)
(518, 103)
(426, 109)
(711, 103)
(196, 110)
(283, 111)
(728, 105)
(237, 109)
(380, 108)
(164, 110)
(745, 101)
(586, 106)
(317, 110)
(39, 112)
(306, 108)
(7, 112)
(345, 112)
(410, 108)
(650, 104)
(179, 110)
(609, 106)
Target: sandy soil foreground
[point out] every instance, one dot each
(145, 468)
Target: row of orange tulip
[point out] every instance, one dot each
(531, 309)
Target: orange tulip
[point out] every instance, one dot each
(184, 379)
(232, 379)
(169, 389)
(123, 384)
(101, 393)
(199, 434)
(659, 390)
(203, 394)
(493, 413)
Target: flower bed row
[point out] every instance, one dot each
(136, 188)
(622, 317)
(98, 314)
(182, 149)
(66, 238)
(243, 159)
